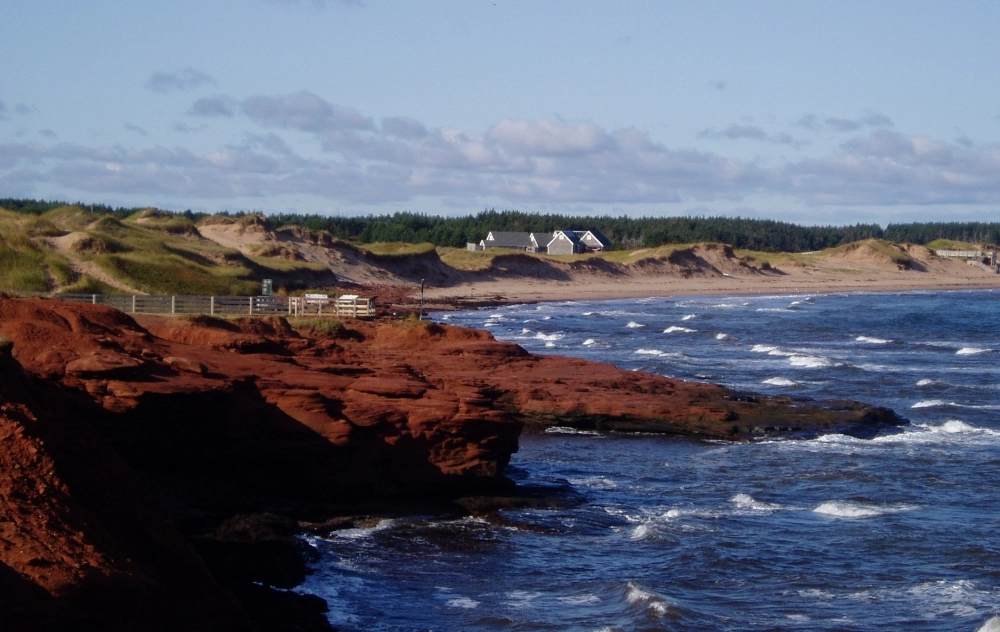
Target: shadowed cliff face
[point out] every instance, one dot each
(82, 544)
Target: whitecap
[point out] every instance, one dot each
(363, 532)
(689, 317)
(640, 533)
(589, 341)
(774, 309)
(462, 602)
(550, 344)
(930, 403)
(722, 336)
(525, 331)
(872, 340)
(971, 351)
(676, 328)
(992, 625)
(546, 318)
(747, 502)
(652, 352)
(809, 362)
(589, 313)
(637, 596)
(634, 325)
(763, 348)
(848, 509)
(926, 382)
(549, 337)
(780, 381)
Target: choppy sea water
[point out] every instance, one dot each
(901, 532)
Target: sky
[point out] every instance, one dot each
(819, 112)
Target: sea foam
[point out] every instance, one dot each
(549, 337)
(780, 381)
(872, 340)
(677, 328)
(848, 509)
(971, 351)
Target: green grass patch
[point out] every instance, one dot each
(468, 260)
(949, 244)
(396, 248)
(154, 219)
(320, 327)
(89, 285)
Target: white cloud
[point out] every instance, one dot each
(524, 163)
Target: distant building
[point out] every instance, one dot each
(561, 242)
(568, 242)
(508, 240)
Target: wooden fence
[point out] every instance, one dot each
(349, 306)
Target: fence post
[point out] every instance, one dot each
(251, 306)
(211, 305)
(93, 299)
(133, 303)
(173, 304)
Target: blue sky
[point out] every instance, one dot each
(812, 112)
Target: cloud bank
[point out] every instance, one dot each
(299, 143)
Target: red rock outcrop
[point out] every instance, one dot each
(222, 418)
(82, 544)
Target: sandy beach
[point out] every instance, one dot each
(711, 271)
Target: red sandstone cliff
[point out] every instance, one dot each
(221, 418)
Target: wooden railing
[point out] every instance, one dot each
(309, 305)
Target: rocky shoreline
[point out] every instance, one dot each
(175, 461)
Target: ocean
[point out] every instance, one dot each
(900, 532)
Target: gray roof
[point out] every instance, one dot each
(508, 240)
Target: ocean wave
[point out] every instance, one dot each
(780, 381)
(774, 309)
(462, 602)
(676, 328)
(992, 625)
(689, 317)
(638, 596)
(972, 351)
(594, 482)
(589, 341)
(549, 337)
(872, 340)
(358, 533)
(930, 403)
(746, 502)
(579, 600)
(848, 509)
(634, 325)
(652, 352)
(809, 362)
(521, 598)
(722, 336)
(927, 382)
(525, 331)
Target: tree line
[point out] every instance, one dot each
(624, 232)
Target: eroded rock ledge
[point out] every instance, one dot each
(230, 418)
